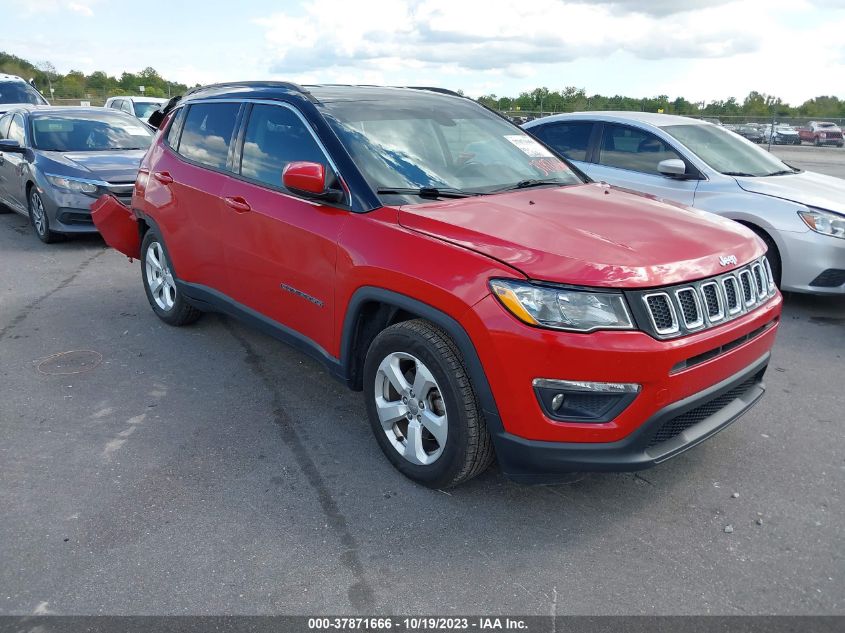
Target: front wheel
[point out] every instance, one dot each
(422, 407)
(160, 283)
(38, 218)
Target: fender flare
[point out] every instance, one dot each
(451, 326)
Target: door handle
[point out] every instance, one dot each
(238, 204)
(163, 177)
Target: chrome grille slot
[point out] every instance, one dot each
(712, 301)
(690, 308)
(747, 287)
(759, 280)
(731, 288)
(662, 313)
(769, 274)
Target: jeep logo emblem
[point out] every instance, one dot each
(724, 260)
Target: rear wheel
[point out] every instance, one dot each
(38, 218)
(160, 283)
(422, 407)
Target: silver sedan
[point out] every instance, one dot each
(799, 214)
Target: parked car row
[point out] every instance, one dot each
(443, 260)
(815, 132)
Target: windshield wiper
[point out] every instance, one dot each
(783, 172)
(739, 173)
(534, 182)
(426, 192)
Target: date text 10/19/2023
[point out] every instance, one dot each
(422, 623)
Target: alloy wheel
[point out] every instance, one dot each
(410, 408)
(39, 219)
(159, 278)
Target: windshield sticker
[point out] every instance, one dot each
(528, 146)
(549, 166)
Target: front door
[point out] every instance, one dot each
(281, 249)
(628, 157)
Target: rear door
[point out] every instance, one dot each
(627, 157)
(568, 138)
(281, 249)
(187, 173)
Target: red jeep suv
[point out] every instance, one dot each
(489, 300)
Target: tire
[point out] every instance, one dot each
(427, 359)
(817, 142)
(160, 283)
(773, 255)
(38, 218)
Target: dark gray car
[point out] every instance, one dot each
(55, 162)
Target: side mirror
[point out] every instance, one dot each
(12, 147)
(672, 167)
(309, 181)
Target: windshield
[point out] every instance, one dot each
(89, 132)
(727, 153)
(443, 144)
(17, 92)
(144, 110)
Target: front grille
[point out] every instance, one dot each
(677, 425)
(679, 310)
(830, 278)
(122, 191)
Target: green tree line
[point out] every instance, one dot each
(99, 85)
(756, 104)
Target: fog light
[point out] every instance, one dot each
(581, 401)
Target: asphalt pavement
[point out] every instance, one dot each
(211, 469)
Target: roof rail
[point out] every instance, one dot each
(444, 91)
(287, 85)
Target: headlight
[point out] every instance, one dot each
(76, 185)
(563, 308)
(824, 222)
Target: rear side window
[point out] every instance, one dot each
(207, 134)
(175, 128)
(570, 139)
(275, 136)
(636, 150)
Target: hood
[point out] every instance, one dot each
(5, 107)
(807, 188)
(591, 235)
(111, 166)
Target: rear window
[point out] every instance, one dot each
(207, 133)
(19, 92)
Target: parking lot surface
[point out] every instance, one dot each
(211, 469)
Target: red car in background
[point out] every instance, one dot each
(489, 300)
(821, 133)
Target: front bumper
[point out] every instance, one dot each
(669, 432)
(674, 375)
(805, 256)
(67, 212)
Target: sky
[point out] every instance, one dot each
(703, 50)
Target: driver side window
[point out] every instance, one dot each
(629, 148)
